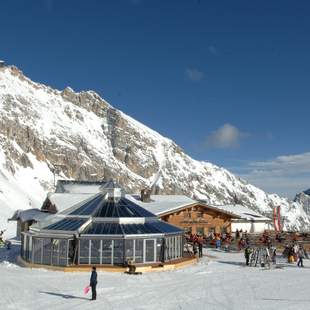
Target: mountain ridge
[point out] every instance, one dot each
(79, 135)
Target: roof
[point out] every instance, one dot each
(66, 224)
(99, 206)
(29, 215)
(160, 204)
(242, 212)
(100, 213)
(63, 201)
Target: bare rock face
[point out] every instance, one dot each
(80, 136)
(303, 198)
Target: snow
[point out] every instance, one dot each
(163, 203)
(242, 212)
(218, 282)
(63, 201)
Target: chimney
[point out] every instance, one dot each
(146, 195)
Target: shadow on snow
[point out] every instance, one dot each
(65, 296)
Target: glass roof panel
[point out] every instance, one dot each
(121, 208)
(67, 224)
(89, 207)
(156, 227)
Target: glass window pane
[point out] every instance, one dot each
(106, 251)
(172, 248)
(37, 250)
(139, 250)
(63, 252)
(168, 249)
(29, 251)
(55, 255)
(84, 251)
(159, 250)
(118, 254)
(22, 245)
(47, 251)
(95, 252)
(149, 251)
(129, 250)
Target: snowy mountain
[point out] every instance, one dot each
(303, 198)
(81, 136)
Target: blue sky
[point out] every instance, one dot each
(227, 80)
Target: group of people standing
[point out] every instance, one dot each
(295, 253)
(197, 243)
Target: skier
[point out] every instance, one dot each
(301, 256)
(93, 283)
(247, 253)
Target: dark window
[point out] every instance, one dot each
(200, 230)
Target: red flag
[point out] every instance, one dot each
(279, 218)
(275, 219)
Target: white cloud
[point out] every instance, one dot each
(285, 175)
(194, 74)
(227, 136)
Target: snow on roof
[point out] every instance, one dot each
(78, 187)
(162, 203)
(29, 214)
(63, 201)
(242, 212)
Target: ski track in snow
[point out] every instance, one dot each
(220, 283)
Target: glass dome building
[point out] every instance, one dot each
(106, 229)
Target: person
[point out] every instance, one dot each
(301, 256)
(93, 283)
(295, 250)
(290, 254)
(200, 248)
(218, 242)
(247, 253)
(1, 236)
(274, 255)
(237, 234)
(8, 244)
(241, 244)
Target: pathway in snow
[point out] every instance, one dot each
(222, 282)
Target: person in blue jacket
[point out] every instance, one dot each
(93, 283)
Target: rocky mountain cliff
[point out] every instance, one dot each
(81, 136)
(303, 198)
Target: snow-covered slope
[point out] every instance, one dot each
(80, 135)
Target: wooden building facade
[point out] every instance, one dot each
(199, 219)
